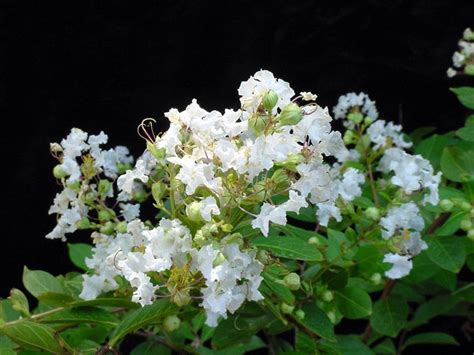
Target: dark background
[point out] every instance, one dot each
(107, 65)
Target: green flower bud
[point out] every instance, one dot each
(122, 168)
(121, 227)
(376, 278)
(257, 123)
(314, 241)
(368, 120)
(466, 206)
(193, 211)
(291, 114)
(355, 117)
(58, 172)
(199, 238)
(76, 186)
(270, 100)
(292, 281)
(349, 137)
(264, 257)
(292, 161)
(108, 228)
(104, 215)
(227, 227)
(372, 213)
(446, 205)
(469, 69)
(300, 314)
(279, 176)
(84, 223)
(466, 224)
(471, 213)
(327, 296)
(104, 187)
(470, 234)
(158, 191)
(286, 308)
(171, 323)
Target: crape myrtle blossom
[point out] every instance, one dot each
(212, 175)
(463, 58)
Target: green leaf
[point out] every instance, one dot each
(465, 95)
(447, 252)
(431, 338)
(466, 133)
(457, 164)
(305, 343)
(353, 302)
(33, 336)
(335, 240)
(280, 291)
(423, 269)
(91, 315)
(346, 345)
(432, 308)
(7, 312)
(150, 347)
(336, 278)
(389, 316)
(39, 282)
(78, 253)
(432, 148)
(141, 317)
(419, 133)
(306, 214)
(317, 321)
(19, 302)
(7, 346)
(386, 347)
(106, 302)
(289, 247)
(445, 279)
(452, 224)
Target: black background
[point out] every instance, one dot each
(107, 65)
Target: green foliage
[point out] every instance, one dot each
(465, 95)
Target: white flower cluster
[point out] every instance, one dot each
(411, 173)
(382, 133)
(69, 204)
(405, 222)
(463, 59)
(352, 102)
(232, 276)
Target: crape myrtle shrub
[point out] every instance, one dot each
(259, 227)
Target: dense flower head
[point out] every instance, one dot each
(213, 176)
(463, 58)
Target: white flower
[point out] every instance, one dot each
(406, 216)
(253, 90)
(349, 187)
(130, 211)
(71, 168)
(75, 143)
(308, 96)
(458, 59)
(414, 245)
(269, 213)
(140, 172)
(402, 265)
(380, 132)
(327, 211)
(353, 100)
(295, 202)
(451, 72)
(208, 208)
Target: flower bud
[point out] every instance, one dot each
(469, 69)
(83, 223)
(193, 211)
(465, 224)
(471, 213)
(257, 123)
(55, 148)
(279, 177)
(468, 34)
(121, 227)
(368, 120)
(104, 187)
(355, 117)
(291, 114)
(76, 186)
(104, 215)
(199, 238)
(270, 100)
(372, 213)
(107, 228)
(286, 308)
(122, 168)
(313, 240)
(349, 137)
(264, 257)
(464, 205)
(470, 234)
(376, 278)
(220, 258)
(58, 172)
(292, 281)
(171, 323)
(140, 196)
(446, 205)
(327, 296)
(226, 227)
(300, 314)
